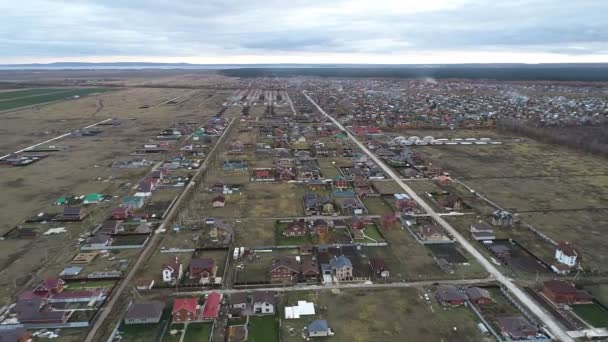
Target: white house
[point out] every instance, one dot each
(566, 254)
(263, 303)
(172, 271)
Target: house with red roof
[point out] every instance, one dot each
(49, 286)
(185, 309)
(295, 228)
(212, 306)
(563, 292)
(263, 175)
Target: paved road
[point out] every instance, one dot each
(149, 248)
(553, 326)
(345, 286)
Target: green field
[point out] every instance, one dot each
(593, 314)
(263, 329)
(198, 332)
(21, 98)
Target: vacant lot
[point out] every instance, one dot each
(562, 192)
(382, 315)
(273, 200)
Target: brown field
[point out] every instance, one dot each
(560, 191)
(83, 166)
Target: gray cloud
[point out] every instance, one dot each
(98, 28)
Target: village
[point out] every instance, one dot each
(298, 210)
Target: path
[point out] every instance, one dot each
(53, 139)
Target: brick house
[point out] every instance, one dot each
(563, 292)
(185, 309)
(284, 269)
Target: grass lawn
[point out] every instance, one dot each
(377, 206)
(372, 232)
(198, 332)
(593, 314)
(263, 329)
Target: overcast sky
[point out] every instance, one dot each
(298, 31)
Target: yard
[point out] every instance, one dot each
(594, 314)
(198, 332)
(263, 329)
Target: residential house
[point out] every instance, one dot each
(449, 295)
(173, 271)
(263, 175)
(49, 287)
(295, 228)
(212, 306)
(36, 311)
(341, 267)
(482, 232)
(316, 185)
(234, 165)
(479, 295)
(109, 227)
(222, 231)
(238, 301)
(284, 269)
(203, 269)
(133, 202)
(310, 269)
(218, 202)
(92, 198)
(502, 218)
(433, 233)
(319, 328)
(185, 309)
(121, 213)
(563, 292)
(144, 313)
(566, 254)
(451, 202)
(340, 183)
(350, 206)
(320, 227)
(145, 188)
(516, 327)
(72, 214)
(263, 302)
(287, 174)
